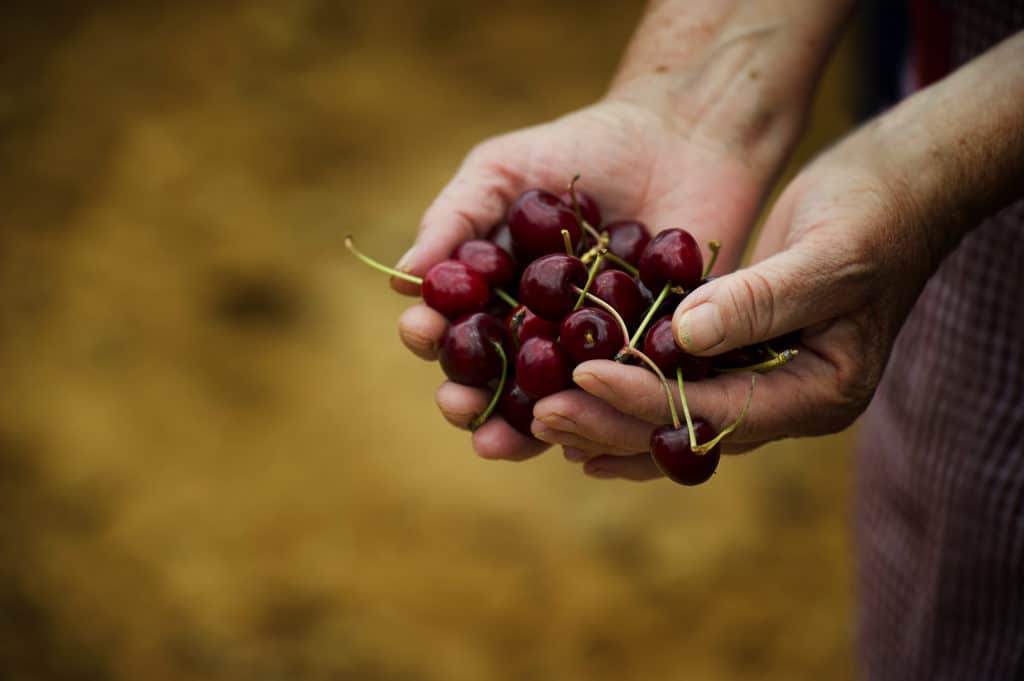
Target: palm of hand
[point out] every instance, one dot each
(638, 165)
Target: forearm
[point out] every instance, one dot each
(738, 73)
(957, 148)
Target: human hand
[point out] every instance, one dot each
(636, 160)
(706, 105)
(843, 256)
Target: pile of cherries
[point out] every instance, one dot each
(552, 287)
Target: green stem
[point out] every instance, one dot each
(664, 383)
(515, 323)
(633, 272)
(710, 444)
(714, 247)
(584, 225)
(506, 297)
(775, 362)
(594, 234)
(379, 266)
(650, 314)
(482, 418)
(567, 240)
(590, 280)
(572, 197)
(686, 409)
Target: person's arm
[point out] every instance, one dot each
(739, 74)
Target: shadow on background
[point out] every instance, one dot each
(217, 462)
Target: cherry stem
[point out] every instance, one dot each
(506, 297)
(482, 418)
(650, 315)
(664, 384)
(515, 323)
(775, 362)
(590, 279)
(714, 247)
(584, 225)
(710, 444)
(606, 307)
(379, 266)
(633, 271)
(594, 234)
(567, 240)
(686, 410)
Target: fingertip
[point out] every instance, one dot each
(496, 439)
(700, 329)
(574, 455)
(407, 263)
(589, 376)
(406, 288)
(460, 404)
(594, 469)
(636, 467)
(421, 330)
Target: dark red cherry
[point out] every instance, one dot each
(498, 308)
(588, 207)
(590, 333)
(670, 448)
(454, 288)
(542, 368)
(523, 325)
(501, 235)
(487, 258)
(627, 239)
(546, 286)
(672, 257)
(536, 220)
(516, 407)
(622, 292)
(660, 346)
(468, 355)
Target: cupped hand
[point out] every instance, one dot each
(842, 257)
(639, 161)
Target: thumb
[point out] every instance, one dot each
(786, 292)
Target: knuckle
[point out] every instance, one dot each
(853, 385)
(752, 301)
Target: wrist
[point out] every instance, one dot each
(739, 76)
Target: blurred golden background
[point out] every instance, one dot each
(216, 459)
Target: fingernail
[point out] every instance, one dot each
(403, 262)
(540, 431)
(701, 328)
(590, 382)
(599, 473)
(557, 422)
